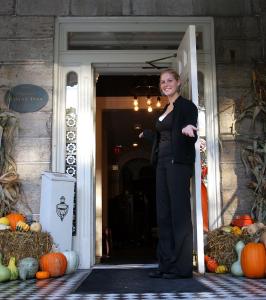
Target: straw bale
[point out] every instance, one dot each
(24, 244)
(221, 245)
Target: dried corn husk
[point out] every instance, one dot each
(10, 186)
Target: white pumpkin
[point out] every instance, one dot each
(72, 261)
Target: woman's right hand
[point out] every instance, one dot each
(141, 135)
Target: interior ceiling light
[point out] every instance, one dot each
(146, 91)
(158, 103)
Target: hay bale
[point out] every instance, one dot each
(221, 246)
(24, 244)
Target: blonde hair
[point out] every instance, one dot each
(174, 74)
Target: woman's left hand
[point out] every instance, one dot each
(189, 130)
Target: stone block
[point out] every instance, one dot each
(39, 74)
(230, 152)
(43, 7)
(237, 51)
(236, 202)
(234, 76)
(222, 7)
(6, 7)
(35, 125)
(26, 27)
(30, 150)
(27, 50)
(234, 175)
(96, 8)
(226, 91)
(30, 176)
(237, 27)
(226, 116)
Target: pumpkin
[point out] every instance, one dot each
(211, 263)
(13, 218)
(72, 261)
(54, 263)
(28, 267)
(253, 260)
(36, 227)
(42, 275)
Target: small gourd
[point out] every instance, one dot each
(28, 267)
(4, 271)
(236, 230)
(236, 268)
(36, 227)
(263, 238)
(4, 227)
(221, 269)
(12, 268)
(227, 229)
(22, 226)
(4, 220)
(42, 275)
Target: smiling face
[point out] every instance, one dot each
(169, 84)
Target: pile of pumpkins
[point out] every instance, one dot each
(17, 222)
(52, 264)
(251, 258)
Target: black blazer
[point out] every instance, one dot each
(183, 147)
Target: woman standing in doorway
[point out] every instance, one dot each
(173, 153)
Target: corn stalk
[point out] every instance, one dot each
(254, 156)
(10, 185)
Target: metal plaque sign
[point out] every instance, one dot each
(25, 98)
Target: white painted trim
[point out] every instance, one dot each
(63, 58)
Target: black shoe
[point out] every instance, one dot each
(175, 276)
(156, 274)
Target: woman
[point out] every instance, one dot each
(173, 153)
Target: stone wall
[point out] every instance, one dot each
(26, 56)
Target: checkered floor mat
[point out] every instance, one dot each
(223, 286)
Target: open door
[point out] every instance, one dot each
(186, 66)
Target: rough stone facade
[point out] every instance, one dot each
(26, 56)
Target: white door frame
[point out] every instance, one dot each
(82, 62)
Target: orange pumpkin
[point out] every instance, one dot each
(253, 260)
(54, 263)
(42, 275)
(211, 263)
(13, 218)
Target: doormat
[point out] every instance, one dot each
(122, 281)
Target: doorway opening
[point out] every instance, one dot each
(128, 202)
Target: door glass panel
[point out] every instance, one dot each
(71, 133)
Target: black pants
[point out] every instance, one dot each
(175, 243)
